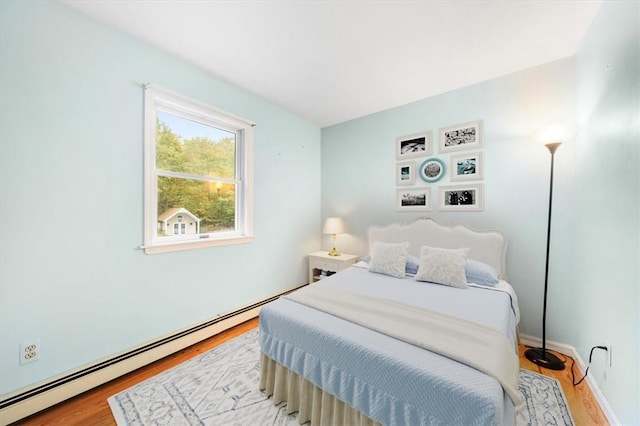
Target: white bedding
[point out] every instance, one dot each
(502, 286)
(391, 381)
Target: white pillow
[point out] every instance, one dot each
(443, 266)
(389, 259)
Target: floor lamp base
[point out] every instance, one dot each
(544, 359)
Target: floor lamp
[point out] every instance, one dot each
(540, 356)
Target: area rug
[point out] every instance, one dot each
(220, 387)
(545, 403)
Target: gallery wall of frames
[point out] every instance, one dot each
(422, 165)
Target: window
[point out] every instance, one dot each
(198, 169)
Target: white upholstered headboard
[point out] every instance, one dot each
(486, 246)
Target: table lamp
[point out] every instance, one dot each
(333, 226)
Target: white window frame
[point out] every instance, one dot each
(173, 103)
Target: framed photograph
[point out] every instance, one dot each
(461, 198)
(413, 199)
(411, 146)
(405, 173)
(461, 136)
(432, 170)
(466, 166)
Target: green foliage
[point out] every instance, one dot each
(212, 202)
(169, 154)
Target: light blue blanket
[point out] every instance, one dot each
(391, 381)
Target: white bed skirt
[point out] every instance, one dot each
(311, 402)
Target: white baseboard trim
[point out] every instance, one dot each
(593, 385)
(25, 402)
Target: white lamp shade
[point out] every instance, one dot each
(553, 133)
(333, 225)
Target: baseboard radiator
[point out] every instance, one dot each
(24, 403)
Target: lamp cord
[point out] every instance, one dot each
(573, 378)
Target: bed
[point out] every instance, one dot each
(379, 344)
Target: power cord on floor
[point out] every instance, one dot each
(573, 362)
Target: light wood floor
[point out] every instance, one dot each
(584, 408)
(91, 408)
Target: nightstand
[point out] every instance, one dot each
(320, 262)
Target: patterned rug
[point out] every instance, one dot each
(220, 387)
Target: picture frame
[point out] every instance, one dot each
(460, 137)
(467, 166)
(412, 146)
(432, 170)
(463, 198)
(413, 199)
(405, 173)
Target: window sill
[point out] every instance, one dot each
(191, 245)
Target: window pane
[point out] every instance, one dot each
(188, 206)
(187, 146)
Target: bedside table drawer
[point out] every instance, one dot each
(321, 265)
(326, 265)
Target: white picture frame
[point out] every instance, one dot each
(461, 198)
(460, 137)
(413, 199)
(405, 173)
(466, 166)
(415, 145)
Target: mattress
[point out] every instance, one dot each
(390, 381)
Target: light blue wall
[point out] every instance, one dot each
(594, 279)
(606, 224)
(358, 168)
(71, 193)
(71, 198)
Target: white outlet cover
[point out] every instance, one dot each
(29, 351)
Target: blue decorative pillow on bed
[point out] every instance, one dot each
(413, 263)
(480, 273)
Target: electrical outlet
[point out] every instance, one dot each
(609, 352)
(29, 351)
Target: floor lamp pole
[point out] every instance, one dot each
(540, 356)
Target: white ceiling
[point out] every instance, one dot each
(332, 61)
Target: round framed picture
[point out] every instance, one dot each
(432, 170)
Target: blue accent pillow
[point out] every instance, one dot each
(413, 263)
(480, 273)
